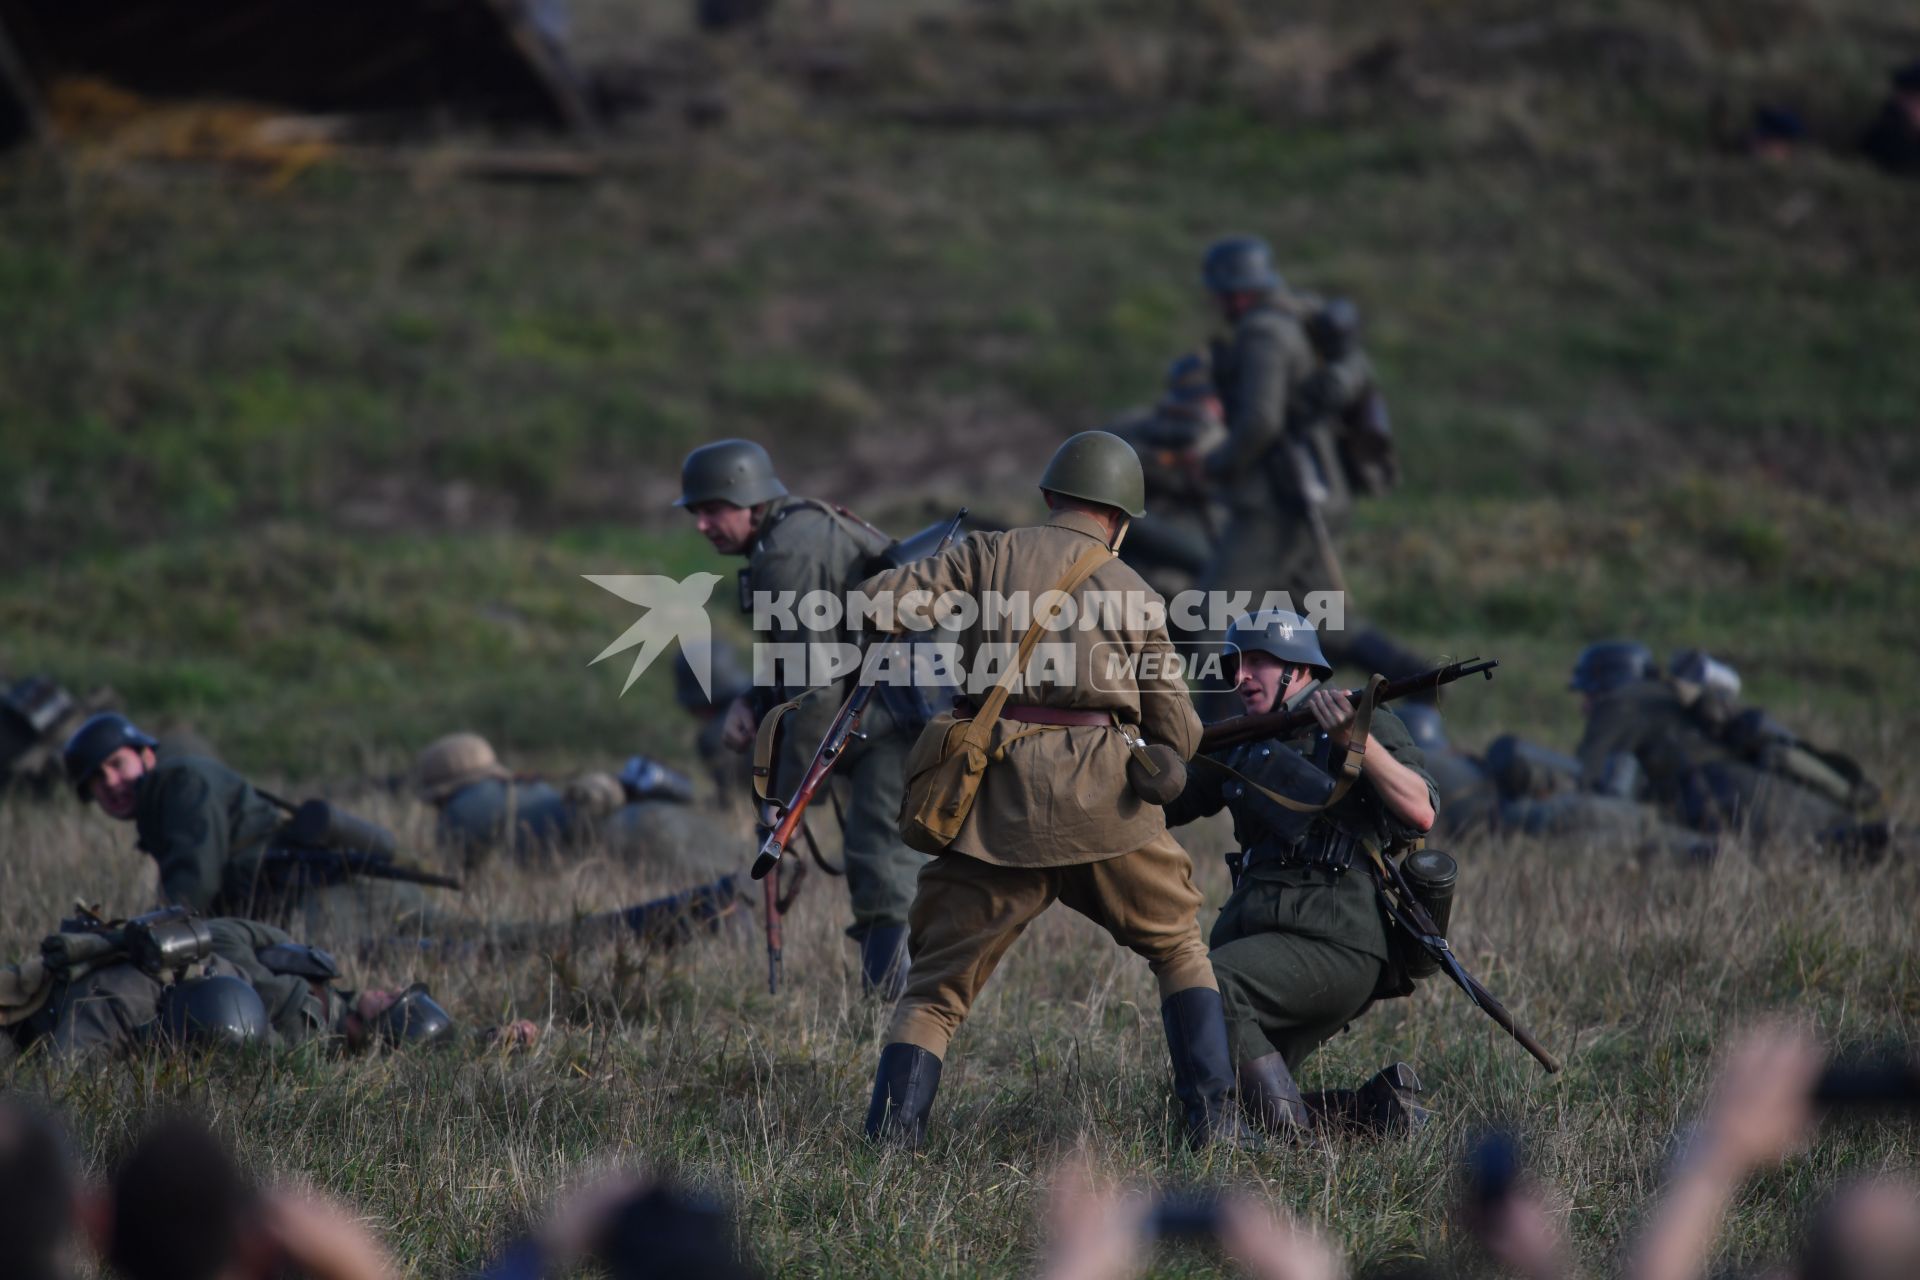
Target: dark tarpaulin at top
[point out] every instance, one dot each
(492, 60)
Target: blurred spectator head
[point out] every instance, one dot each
(36, 1193)
(179, 1206)
(1867, 1231)
(1775, 132)
(664, 1233)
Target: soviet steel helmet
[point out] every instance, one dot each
(1098, 466)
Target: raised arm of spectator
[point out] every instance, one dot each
(1760, 1113)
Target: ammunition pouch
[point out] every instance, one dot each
(949, 761)
(299, 960)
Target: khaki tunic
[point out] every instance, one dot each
(1054, 820)
(1059, 797)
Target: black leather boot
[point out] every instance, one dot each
(883, 961)
(1384, 1105)
(1196, 1026)
(903, 1090)
(1272, 1100)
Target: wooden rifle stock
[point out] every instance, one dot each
(1235, 730)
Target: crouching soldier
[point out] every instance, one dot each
(1301, 948)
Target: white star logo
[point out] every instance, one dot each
(676, 609)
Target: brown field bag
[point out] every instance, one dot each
(951, 757)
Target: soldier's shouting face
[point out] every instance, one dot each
(727, 527)
(1264, 682)
(112, 786)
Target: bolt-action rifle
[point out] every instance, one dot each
(1235, 730)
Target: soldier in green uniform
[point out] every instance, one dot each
(801, 546)
(1301, 947)
(1054, 818)
(210, 833)
(1711, 765)
(1170, 546)
(1521, 788)
(1281, 469)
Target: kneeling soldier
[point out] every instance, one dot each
(1301, 948)
(1053, 818)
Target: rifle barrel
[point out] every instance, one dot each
(1284, 724)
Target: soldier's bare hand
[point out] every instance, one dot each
(1333, 711)
(736, 731)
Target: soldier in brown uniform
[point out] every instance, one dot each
(1054, 818)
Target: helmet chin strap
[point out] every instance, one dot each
(1120, 534)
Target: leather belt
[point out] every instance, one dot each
(1073, 716)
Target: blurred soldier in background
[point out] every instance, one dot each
(1522, 788)
(1682, 741)
(1893, 139)
(1290, 464)
(1301, 948)
(728, 681)
(644, 815)
(483, 808)
(1170, 546)
(803, 545)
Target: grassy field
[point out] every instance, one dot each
(312, 462)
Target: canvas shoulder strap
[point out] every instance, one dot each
(981, 727)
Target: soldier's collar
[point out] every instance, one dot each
(1079, 522)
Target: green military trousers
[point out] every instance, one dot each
(1298, 953)
(871, 776)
